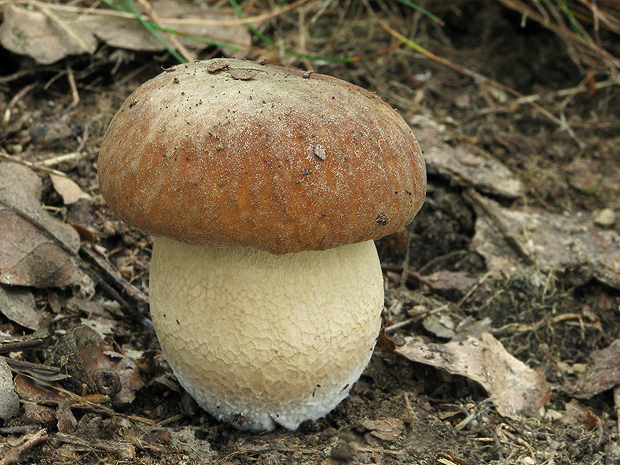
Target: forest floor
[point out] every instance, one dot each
(517, 250)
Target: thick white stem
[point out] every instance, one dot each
(260, 339)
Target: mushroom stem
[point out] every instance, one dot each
(260, 339)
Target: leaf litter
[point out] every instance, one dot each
(502, 236)
(50, 32)
(37, 249)
(516, 390)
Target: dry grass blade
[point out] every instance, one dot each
(567, 22)
(476, 76)
(189, 56)
(167, 20)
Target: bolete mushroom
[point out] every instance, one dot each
(264, 188)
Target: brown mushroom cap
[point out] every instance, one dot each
(233, 153)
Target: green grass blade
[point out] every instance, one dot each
(271, 43)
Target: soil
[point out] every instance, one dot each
(420, 410)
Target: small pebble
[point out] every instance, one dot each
(579, 368)
(605, 218)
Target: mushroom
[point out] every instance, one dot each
(264, 188)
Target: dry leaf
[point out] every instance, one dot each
(602, 373)
(440, 325)
(579, 415)
(516, 390)
(28, 389)
(129, 34)
(462, 166)
(453, 284)
(43, 35)
(35, 249)
(18, 305)
(66, 423)
(50, 34)
(387, 429)
(552, 242)
(9, 402)
(68, 189)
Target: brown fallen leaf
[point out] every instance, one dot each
(9, 402)
(602, 373)
(66, 421)
(68, 189)
(24, 444)
(18, 305)
(516, 390)
(43, 35)
(452, 284)
(580, 415)
(190, 19)
(441, 325)
(386, 429)
(509, 239)
(28, 389)
(49, 32)
(35, 249)
(462, 165)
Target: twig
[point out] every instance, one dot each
(121, 449)
(74, 92)
(58, 159)
(35, 166)
(28, 442)
(17, 430)
(58, 21)
(189, 56)
(16, 98)
(521, 328)
(102, 273)
(16, 75)
(27, 342)
(37, 371)
(405, 273)
(473, 288)
(567, 92)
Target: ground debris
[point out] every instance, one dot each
(68, 189)
(18, 305)
(49, 33)
(386, 429)
(570, 244)
(9, 402)
(36, 249)
(72, 443)
(57, 114)
(463, 166)
(25, 443)
(516, 390)
(602, 373)
(92, 363)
